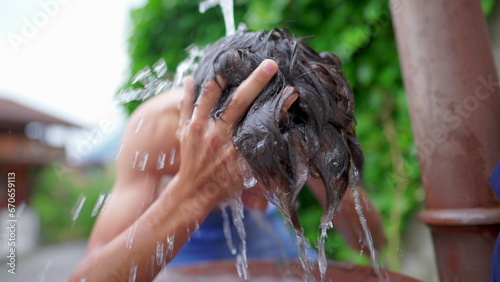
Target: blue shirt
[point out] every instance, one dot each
(267, 237)
(495, 261)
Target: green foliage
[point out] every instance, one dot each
(360, 32)
(56, 194)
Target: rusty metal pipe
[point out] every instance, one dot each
(454, 100)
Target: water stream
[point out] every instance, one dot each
(227, 228)
(227, 8)
(236, 206)
(366, 232)
(322, 261)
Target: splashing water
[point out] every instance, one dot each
(133, 272)
(161, 160)
(77, 208)
(366, 231)
(227, 11)
(98, 204)
(227, 228)
(188, 66)
(155, 80)
(236, 205)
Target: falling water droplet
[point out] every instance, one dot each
(119, 152)
(197, 228)
(139, 124)
(41, 275)
(129, 238)
(249, 180)
(161, 160)
(143, 162)
(98, 204)
(172, 157)
(77, 208)
(170, 245)
(133, 272)
(160, 258)
(108, 199)
(400, 252)
(136, 157)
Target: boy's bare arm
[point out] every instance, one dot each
(144, 156)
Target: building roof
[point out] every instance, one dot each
(15, 112)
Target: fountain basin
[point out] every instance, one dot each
(270, 270)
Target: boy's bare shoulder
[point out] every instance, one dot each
(162, 104)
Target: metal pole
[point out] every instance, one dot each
(454, 99)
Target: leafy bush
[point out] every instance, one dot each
(56, 197)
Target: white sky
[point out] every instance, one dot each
(67, 57)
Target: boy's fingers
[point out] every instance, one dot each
(246, 93)
(209, 97)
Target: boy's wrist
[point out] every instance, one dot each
(193, 200)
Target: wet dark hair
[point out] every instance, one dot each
(315, 136)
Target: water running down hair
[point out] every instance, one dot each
(316, 136)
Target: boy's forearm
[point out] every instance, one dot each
(164, 227)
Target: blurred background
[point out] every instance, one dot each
(63, 62)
